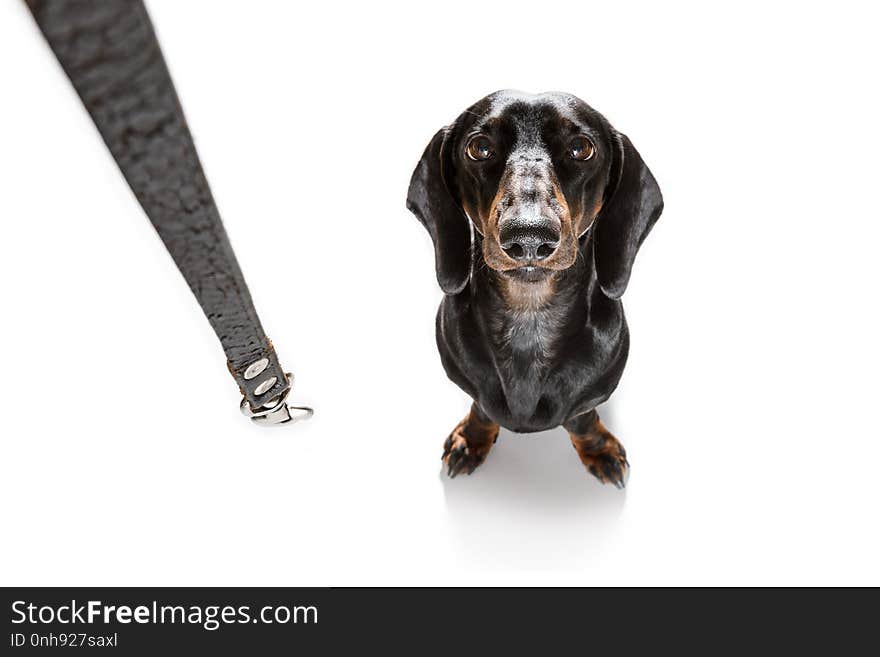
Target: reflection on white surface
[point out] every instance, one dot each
(532, 504)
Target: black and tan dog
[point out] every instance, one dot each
(536, 207)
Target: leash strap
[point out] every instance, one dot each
(110, 53)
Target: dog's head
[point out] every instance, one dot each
(533, 174)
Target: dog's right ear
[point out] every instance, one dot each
(431, 200)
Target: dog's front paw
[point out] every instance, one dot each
(468, 445)
(599, 451)
(610, 467)
(459, 457)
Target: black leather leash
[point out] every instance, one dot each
(110, 53)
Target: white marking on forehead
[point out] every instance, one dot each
(502, 99)
(533, 151)
(528, 131)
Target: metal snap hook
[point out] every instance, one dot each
(276, 412)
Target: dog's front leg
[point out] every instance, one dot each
(469, 443)
(599, 450)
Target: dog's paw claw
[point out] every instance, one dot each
(609, 467)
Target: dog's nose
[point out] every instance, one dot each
(529, 246)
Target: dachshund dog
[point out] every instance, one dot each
(536, 207)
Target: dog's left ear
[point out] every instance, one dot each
(632, 205)
(430, 199)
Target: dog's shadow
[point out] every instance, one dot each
(532, 501)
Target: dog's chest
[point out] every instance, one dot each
(528, 335)
(525, 343)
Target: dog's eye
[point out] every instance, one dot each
(479, 148)
(581, 149)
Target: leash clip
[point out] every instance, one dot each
(276, 412)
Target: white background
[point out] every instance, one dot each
(748, 407)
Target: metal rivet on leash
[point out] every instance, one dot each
(265, 386)
(255, 369)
